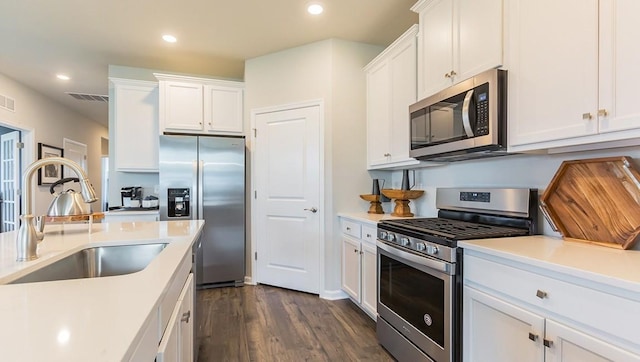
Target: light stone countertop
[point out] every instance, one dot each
(368, 218)
(95, 319)
(608, 267)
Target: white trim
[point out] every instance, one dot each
(285, 107)
(248, 280)
(333, 294)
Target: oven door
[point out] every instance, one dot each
(415, 295)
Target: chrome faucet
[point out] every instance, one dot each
(29, 234)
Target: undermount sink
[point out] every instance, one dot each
(102, 261)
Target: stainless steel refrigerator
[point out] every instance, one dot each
(203, 177)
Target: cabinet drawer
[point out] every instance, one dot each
(369, 234)
(351, 228)
(562, 300)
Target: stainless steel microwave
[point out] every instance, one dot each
(464, 121)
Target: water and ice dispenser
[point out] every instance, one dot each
(178, 205)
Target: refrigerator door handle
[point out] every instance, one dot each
(200, 190)
(194, 191)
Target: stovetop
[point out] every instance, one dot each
(455, 229)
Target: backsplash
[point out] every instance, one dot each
(527, 171)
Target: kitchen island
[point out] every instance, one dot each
(95, 319)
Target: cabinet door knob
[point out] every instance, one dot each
(533, 337)
(602, 112)
(587, 116)
(541, 294)
(547, 343)
(387, 155)
(348, 228)
(209, 123)
(447, 75)
(453, 73)
(186, 316)
(355, 250)
(368, 235)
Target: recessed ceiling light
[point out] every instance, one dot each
(169, 38)
(63, 77)
(315, 9)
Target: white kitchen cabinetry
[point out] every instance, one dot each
(198, 105)
(176, 344)
(391, 88)
(577, 86)
(359, 264)
(457, 40)
(135, 121)
(514, 311)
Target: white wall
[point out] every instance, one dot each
(330, 70)
(529, 171)
(52, 122)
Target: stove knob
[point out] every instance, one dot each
(391, 237)
(420, 247)
(432, 250)
(405, 241)
(383, 235)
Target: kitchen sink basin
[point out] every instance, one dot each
(102, 261)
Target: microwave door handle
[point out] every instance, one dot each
(465, 114)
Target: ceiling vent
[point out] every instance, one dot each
(7, 103)
(89, 97)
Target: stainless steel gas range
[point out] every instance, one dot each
(420, 267)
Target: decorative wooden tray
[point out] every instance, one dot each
(596, 201)
(375, 206)
(96, 216)
(402, 198)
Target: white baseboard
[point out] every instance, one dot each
(249, 281)
(333, 294)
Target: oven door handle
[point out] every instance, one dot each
(426, 261)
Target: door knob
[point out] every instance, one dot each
(313, 210)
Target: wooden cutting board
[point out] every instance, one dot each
(596, 201)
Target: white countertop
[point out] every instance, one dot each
(368, 218)
(608, 266)
(95, 319)
(133, 212)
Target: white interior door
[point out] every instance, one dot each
(287, 212)
(77, 152)
(10, 180)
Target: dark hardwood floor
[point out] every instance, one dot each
(263, 323)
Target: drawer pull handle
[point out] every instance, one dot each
(587, 116)
(533, 337)
(186, 316)
(541, 294)
(547, 343)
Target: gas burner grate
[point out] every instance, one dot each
(455, 229)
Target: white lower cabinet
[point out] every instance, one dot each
(513, 314)
(359, 264)
(176, 344)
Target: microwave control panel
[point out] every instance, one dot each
(482, 110)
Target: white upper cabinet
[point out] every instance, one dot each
(135, 122)
(572, 76)
(391, 88)
(198, 105)
(457, 40)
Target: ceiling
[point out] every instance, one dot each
(81, 38)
